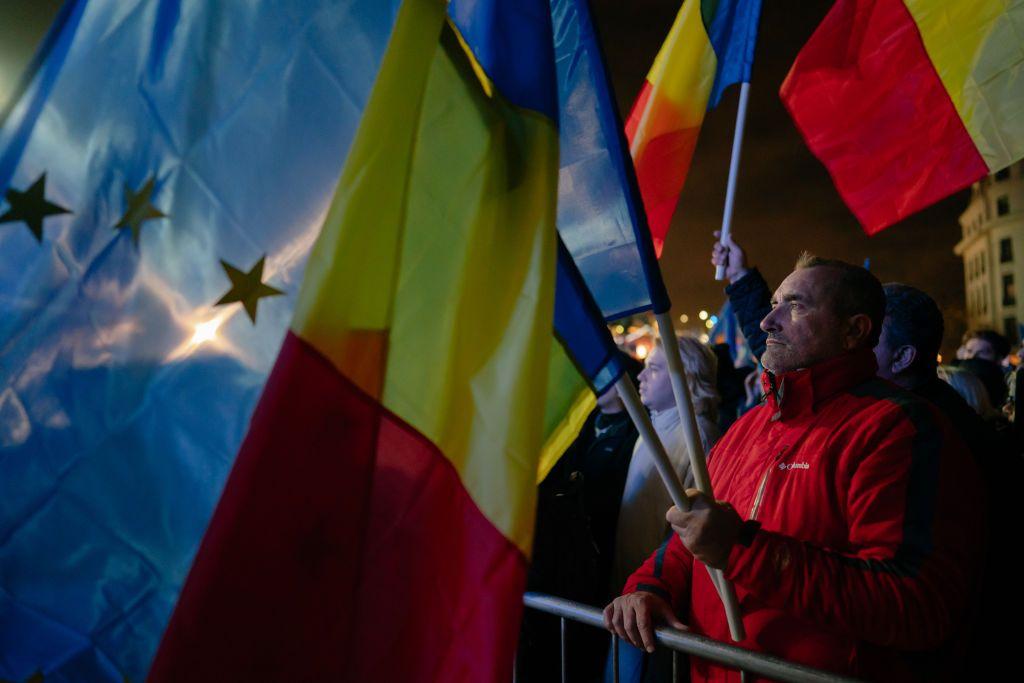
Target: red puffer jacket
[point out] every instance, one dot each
(870, 529)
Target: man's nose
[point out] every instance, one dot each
(768, 323)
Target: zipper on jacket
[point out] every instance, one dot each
(760, 493)
(764, 483)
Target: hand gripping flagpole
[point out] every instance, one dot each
(629, 396)
(698, 461)
(734, 171)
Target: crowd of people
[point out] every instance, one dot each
(862, 492)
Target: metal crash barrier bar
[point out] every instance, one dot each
(746, 661)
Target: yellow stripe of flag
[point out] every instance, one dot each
(457, 274)
(977, 47)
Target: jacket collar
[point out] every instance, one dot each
(796, 393)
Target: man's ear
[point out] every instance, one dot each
(903, 358)
(858, 329)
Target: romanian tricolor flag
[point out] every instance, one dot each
(908, 101)
(377, 521)
(710, 47)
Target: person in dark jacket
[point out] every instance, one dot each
(574, 540)
(858, 553)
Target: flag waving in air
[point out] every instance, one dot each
(709, 47)
(908, 101)
(378, 519)
(185, 155)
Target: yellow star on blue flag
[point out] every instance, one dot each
(247, 288)
(31, 207)
(139, 209)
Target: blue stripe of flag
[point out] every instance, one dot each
(733, 36)
(511, 40)
(580, 328)
(600, 213)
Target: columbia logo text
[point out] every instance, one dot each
(794, 466)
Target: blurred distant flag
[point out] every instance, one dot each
(378, 520)
(163, 158)
(908, 101)
(726, 330)
(709, 47)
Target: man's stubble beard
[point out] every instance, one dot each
(777, 361)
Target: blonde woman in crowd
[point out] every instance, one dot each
(971, 388)
(642, 526)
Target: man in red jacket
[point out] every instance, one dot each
(847, 512)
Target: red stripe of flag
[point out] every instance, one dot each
(663, 162)
(871, 107)
(344, 547)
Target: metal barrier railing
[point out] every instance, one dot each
(745, 660)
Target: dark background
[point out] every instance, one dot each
(785, 200)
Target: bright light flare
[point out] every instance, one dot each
(206, 331)
(641, 351)
(684, 318)
(703, 315)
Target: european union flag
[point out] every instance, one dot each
(163, 177)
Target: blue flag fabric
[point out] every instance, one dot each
(600, 214)
(733, 36)
(727, 330)
(580, 328)
(194, 147)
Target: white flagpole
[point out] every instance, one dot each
(698, 461)
(734, 170)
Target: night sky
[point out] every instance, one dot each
(785, 199)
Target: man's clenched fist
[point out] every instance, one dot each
(708, 530)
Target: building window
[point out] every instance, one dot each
(1009, 291)
(1003, 206)
(1010, 330)
(1004, 174)
(1005, 250)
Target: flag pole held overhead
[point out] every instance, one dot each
(709, 47)
(734, 171)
